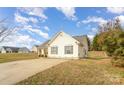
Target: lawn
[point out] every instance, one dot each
(16, 56)
(90, 71)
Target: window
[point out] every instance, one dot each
(68, 49)
(54, 50)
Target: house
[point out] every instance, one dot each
(23, 50)
(43, 49)
(63, 45)
(34, 49)
(8, 49)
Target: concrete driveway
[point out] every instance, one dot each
(13, 72)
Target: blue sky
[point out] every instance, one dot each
(40, 24)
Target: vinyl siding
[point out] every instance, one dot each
(61, 41)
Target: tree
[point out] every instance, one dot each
(111, 40)
(95, 45)
(6, 28)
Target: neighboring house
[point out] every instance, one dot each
(34, 49)
(63, 45)
(43, 49)
(23, 50)
(8, 49)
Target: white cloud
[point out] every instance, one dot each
(94, 29)
(36, 31)
(20, 19)
(46, 28)
(116, 10)
(69, 12)
(91, 37)
(78, 24)
(25, 23)
(92, 19)
(19, 40)
(24, 20)
(33, 20)
(39, 12)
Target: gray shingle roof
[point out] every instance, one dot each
(44, 45)
(24, 49)
(8, 48)
(82, 39)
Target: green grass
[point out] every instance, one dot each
(85, 71)
(16, 56)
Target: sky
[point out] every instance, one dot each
(39, 24)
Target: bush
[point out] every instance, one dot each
(119, 52)
(118, 61)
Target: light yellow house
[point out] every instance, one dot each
(35, 49)
(63, 45)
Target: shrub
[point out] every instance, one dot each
(119, 52)
(118, 61)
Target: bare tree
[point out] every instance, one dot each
(6, 29)
(112, 24)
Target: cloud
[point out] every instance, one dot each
(39, 12)
(115, 10)
(46, 28)
(36, 31)
(69, 12)
(30, 24)
(19, 40)
(20, 19)
(92, 19)
(91, 37)
(33, 20)
(78, 24)
(94, 29)
(24, 20)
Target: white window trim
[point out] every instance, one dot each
(66, 52)
(56, 50)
